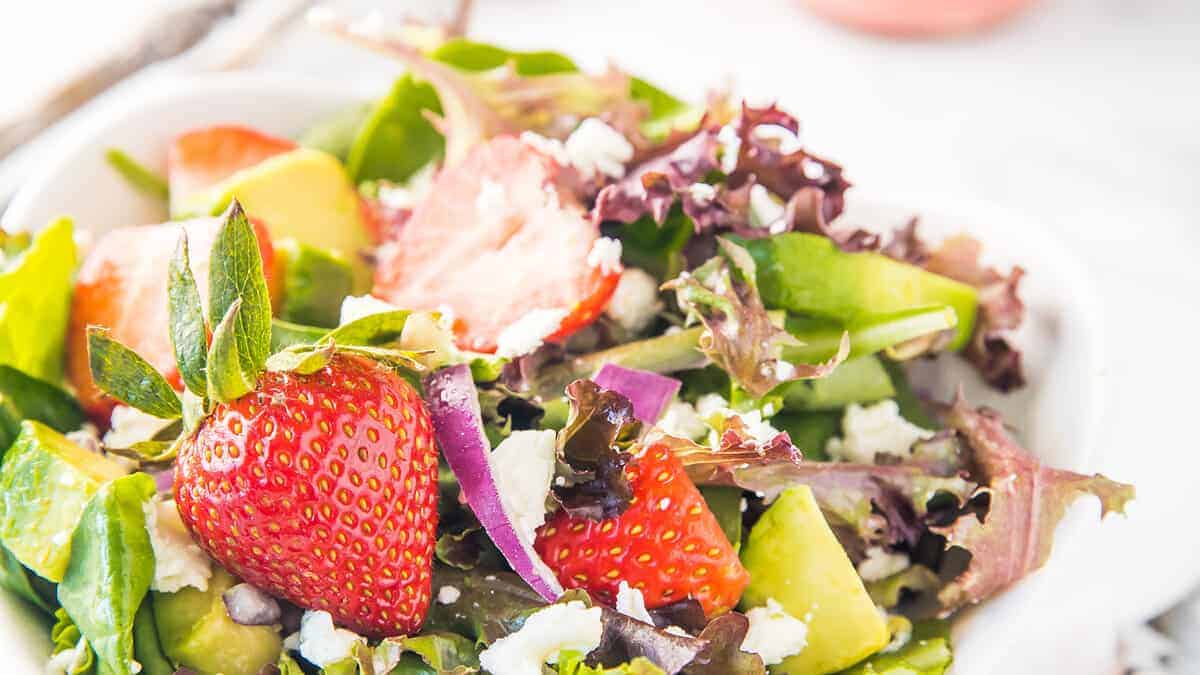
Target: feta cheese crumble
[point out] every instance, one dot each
(523, 466)
(868, 431)
(881, 564)
(730, 145)
(605, 255)
(703, 193)
(632, 603)
(784, 140)
(355, 307)
(448, 595)
(178, 561)
(714, 409)
(322, 644)
(635, 303)
(130, 425)
(551, 147)
(594, 147)
(765, 209)
(774, 634)
(682, 420)
(407, 195)
(548, 631)
(526, 333)
(491, 198)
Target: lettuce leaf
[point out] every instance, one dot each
(594, 449)
(35, 302)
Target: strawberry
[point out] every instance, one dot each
(322, 489)
(201, 158)
(122, 285)
(504, 215)
(667, 544)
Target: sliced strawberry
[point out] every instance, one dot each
(667, 544)
(122, 285)
(321, 489)
(201, 158)
(496, 238)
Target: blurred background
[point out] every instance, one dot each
(1081, 115)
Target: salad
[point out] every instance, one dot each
(518, 369)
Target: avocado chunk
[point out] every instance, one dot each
(304, 194)
(858, 380)
(195, 631)
(795, 559)
(808, 274)
(315, 281)
(927, 652)
(45, 481)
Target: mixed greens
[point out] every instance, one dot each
(519, 369)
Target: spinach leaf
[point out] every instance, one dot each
(476, 56)
(112, 565)
(35, 301)
(16, 579)
(666, 113)
(146, 648)
(396, 139)
(34, 399)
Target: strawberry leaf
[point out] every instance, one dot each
(189, 335)
(120, 372)
(236, 274)
(226, 379)
(285, 334)
(372, 330)
(302, 360)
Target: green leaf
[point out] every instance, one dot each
(444, 652)
(35, 301)
(302, 360)
(492, 604)
(146, 647)
(286, 334)
(315, 282)
(226, 379)
(16, 579)
(65, 635)
(335, 134)
(809, 430)
(726, 504)
(112, 565)
(236, 273)
(926, 653)
(139, 177)
(868, 334)
(477, 56)
(397, 140)
(288, 666)
(666, 113)
(189, 335)
(571, 662)
(858, 380)
(371, 330)
(119, 371)
(657, 248)
(34, 399)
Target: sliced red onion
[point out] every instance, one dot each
(454, 406)
(650, 393)
(248, 606)
(164, 480)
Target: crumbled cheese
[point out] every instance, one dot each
(676, 630)
(632, 603)
(784, 371)
(635, 303)
(774, 634)
(758, 428)
(448, 595)
(605, 255)
(813, 170)
(68, 660)
(178, 561)
(703, 193)
(355, 307)
(322, 644)
(682, 420)
(526, 333)
(407, 195)
(868, 431)
(765, 209)
(714, 409)
(730, 145)
(551, 147)
(570, 626)
(523, 466)
(130, 425)
(711, 404)
(86, 437)
(596, 147)
(491, 198)
(881, 564)
(784, 140)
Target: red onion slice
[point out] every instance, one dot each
(454, 406)
(650, 393)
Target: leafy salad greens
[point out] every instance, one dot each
(518, 369)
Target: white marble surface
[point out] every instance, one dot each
(1082, 115)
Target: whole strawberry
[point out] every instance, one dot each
(667, 543)
(322, 489)
(311, 472)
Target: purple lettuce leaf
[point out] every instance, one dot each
(722, 655)
(740, 336)
(594, 448)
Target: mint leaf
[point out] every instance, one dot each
(236, 274)
(138, 176)
(119, 371)
(35, 301)
(226, 380)
(189, 335)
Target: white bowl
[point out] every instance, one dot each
(1055, 414)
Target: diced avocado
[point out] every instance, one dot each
(45, 482)
(794, 558)
(926, 653)
(304, 194)
(315, 281)
(857, 380)
(196, 632)
(807, 274)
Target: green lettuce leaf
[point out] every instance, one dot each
(65, 635)
(35, 301)
(927, 652)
